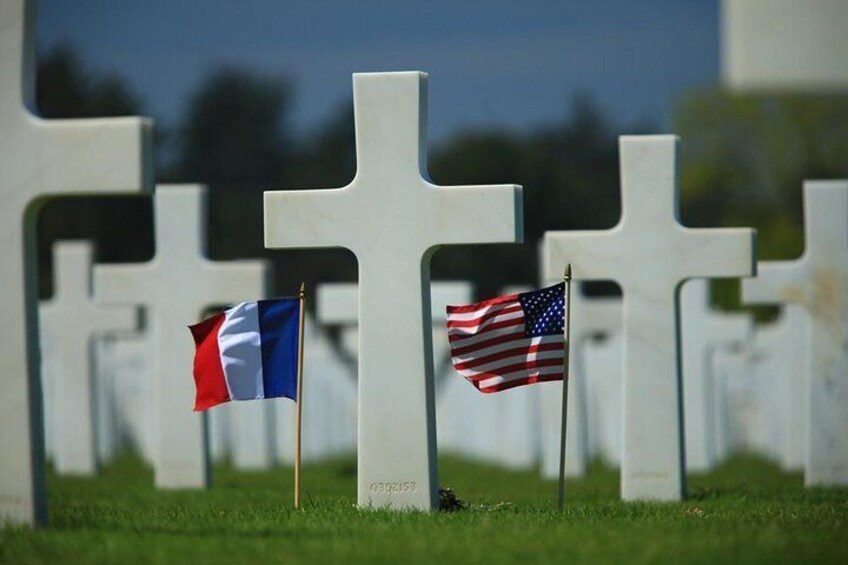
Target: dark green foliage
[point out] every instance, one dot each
(745, 158)
(64, 89)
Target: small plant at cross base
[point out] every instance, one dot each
(448, 502)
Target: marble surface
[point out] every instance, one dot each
(603, 361)
(589, 317)
(818, 281)
(703, 331)
(393, 219)
(649, 253)
(73, 320)
(39, 158)
(779, 357)
(175, 288)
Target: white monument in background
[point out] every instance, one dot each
(649, 254)
(785, 45)
(779, 351)
(72, 320)
(589, 317)
(329, 406)
(818, 281)
(603, 358)
(703, 331)
(124, 363)
(393, 219)
(39, 158)
(175, 287)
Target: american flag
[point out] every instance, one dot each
(511, 340)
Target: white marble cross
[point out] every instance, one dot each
(703, 329)
(649, 254)
(393, 219)
(329, 407)
(589, 317)
(603, 361)
(818, 281)
(125, 361)
(337, 306)
(780, 351)
(175, 287)
(39, 158)
(72, 319)
(262, 433)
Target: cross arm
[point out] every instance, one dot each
(720, 252)
(602, 314)
(115, 319)
(236, 281)
(311, 218)
(732, 327)
(594, 254)
(124, 284)
(776, 281)
(478, 214)
(93, 155)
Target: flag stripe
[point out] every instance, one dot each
(498, 324)
(487, 341)
(499, 370)
(279, 324)
(208, 373)
(456, 312)
(474, 323)
(517, 375)
(239, 344)
(519, 382)
(507, 350)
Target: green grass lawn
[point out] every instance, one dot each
(745, 511)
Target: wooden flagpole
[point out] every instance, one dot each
(565, 376)
(299, 403)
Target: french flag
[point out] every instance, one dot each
(247, 352)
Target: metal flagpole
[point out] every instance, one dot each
(565, 375)
(299, 402)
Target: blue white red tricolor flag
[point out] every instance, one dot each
(247, 352)
(511, 340)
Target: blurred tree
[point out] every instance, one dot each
(569, 171)
(744, 160)
(121, 226)
(233, 138)
(64, 89)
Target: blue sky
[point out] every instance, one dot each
(496, 63)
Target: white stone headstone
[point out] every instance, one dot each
(125, 361)
(337, 305)
(603, 361)
(740, 402)
(329, 406)
(72, 319)
(175, 287)
(589, 317)
(649, 254)
(39, 158)
(393, 219)
(818, 281)
(252, 429)
(780, 350)
(702, 331)
(220, 427)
